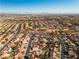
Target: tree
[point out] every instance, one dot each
(5, 58)
(77, 51)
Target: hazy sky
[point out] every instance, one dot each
(39, 6)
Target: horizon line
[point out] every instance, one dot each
(35, 13)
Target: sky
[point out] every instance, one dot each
(39, 6)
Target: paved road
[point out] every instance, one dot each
(62, 47)
(29, 47)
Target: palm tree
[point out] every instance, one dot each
(77, 51)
